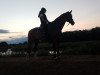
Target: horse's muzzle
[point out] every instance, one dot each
(72, 23)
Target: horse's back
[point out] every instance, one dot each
(34, 30)
(33, 34)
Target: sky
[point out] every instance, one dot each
(17, 17)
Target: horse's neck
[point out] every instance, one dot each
(59, 23)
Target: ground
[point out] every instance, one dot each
(68, 65)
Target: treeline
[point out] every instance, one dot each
(4, 46)
(91, 44)
(81, 35)
(71, 36)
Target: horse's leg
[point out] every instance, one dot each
(55, 43)
(57, 47)
(54, 49)
(58, 53)
(35, 46)
(29, 50)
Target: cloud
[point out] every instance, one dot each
(14, 40)
(17, 40)
(12, 37)
(4, 31)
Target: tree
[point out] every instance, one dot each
(3, 46)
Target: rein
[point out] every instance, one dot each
(67, 24)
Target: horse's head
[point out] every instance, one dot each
(68, 17)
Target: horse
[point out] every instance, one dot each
(53, 31)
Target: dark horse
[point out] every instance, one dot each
(53, 31)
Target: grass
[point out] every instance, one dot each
(67, 48)
(87, 47)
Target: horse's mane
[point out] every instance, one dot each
(59, 17)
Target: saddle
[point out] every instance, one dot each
(43, 34)
(43, 29)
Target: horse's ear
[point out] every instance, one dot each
(71, 11)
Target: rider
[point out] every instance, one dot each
(43, 19)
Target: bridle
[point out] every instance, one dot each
(67, 24)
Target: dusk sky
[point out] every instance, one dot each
(17, 17)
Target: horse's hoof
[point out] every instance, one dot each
(57, 59)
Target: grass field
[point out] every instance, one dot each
(67, 48)
(78, 58)
(68, 65)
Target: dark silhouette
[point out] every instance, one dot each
(81, 35)
(3, 46)
(43, 19)
(54, 32)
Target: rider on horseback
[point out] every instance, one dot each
(43, 19)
